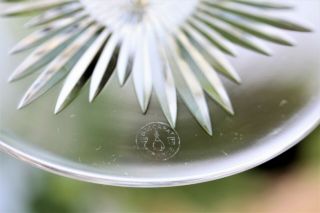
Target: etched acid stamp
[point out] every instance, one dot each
(158, 141)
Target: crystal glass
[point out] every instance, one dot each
(111, 142)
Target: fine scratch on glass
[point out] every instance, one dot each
(165, 46)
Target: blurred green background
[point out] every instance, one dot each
(289, 183)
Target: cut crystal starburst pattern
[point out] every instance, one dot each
(170, 47)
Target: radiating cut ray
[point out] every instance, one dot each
(108, 61)
(48, 51)
(205, 74)
(80, 73)
(105, 66)
(27, 7)
(213, 37)
(59, 67)
(125, 60)
(164, 87)
(233, 35)
(142, 70)
(213, 56)
(163, 82)
(266, 34)
(266, 19)
(54, 14)
(189, 89)
(264, 4)
(45, 33)
(186, 82)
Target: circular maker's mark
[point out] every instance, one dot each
(158, 141)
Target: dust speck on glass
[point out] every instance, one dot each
(169, 47)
